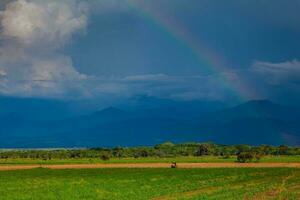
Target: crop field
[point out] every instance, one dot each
(160, 184)
(184, 159)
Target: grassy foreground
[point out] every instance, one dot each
(236, 183)
(186, 159)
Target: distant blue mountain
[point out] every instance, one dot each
(146, 121)
(260, 109)
(255, 122)
(170, 108)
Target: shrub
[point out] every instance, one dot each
(243, 157)
(104, 157)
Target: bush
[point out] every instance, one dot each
(243, 157)
(104, 157)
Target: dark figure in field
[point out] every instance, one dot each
(173, 165)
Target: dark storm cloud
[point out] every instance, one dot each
(126, 51)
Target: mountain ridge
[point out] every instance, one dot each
(253, 122)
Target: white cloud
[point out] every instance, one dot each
(160, 85)
(148, 77)
(33, 34)
(2, 73)
(59, 68)
(278, 73)
(51, 22)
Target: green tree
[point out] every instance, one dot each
(203, 149)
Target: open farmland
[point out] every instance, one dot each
(179, 159)
(223, 183)
(204, 171)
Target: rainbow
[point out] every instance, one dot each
(209, 59)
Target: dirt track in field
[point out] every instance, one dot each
(151, 165)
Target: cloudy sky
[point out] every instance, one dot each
(187, 50)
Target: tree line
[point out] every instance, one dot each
(244, 153)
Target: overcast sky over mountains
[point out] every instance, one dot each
(184, 50)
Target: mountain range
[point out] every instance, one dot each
(30, 123)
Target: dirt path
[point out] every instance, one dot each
(151, 165)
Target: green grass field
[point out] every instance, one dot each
(234, 183)
(145, 160)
